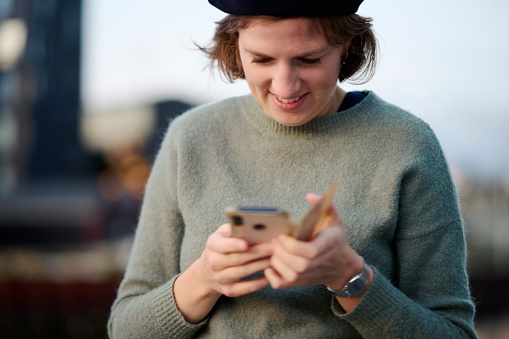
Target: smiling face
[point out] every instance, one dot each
(291, 69)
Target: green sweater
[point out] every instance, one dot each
(395, 193)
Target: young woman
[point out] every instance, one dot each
(391, 261)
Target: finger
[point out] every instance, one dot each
(293, 253)
(335, 217)
(236, 273)
(274, 278)
(245, 287)
(288, 270)
(295, 270)
(291, 267)
(249, 269)
(253, 253)
(219, 261)
(225, 229)
(277, 281)
(306, 249)
(221, 241)
(314, 199)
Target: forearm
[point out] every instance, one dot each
(385, 309)
(142, 313)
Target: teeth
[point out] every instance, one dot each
(288, 101)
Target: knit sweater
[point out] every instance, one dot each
(395, 193)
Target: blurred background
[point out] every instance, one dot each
(87, 88)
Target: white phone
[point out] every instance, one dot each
(257, 225)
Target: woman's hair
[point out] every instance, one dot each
(360, 60)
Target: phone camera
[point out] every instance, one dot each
(259, 227)
(237, 220)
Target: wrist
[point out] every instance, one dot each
(353, 268)
(193, 284)
(193, 297)
(356, 285)
(198, 279)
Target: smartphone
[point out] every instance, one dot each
(257, 225)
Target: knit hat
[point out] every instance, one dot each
(287, 8)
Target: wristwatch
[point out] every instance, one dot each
(355, 286)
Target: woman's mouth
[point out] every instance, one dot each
(288, 104)
(288, 101)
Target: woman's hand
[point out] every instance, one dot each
(219, 270)
(226, 260)
(328, 259)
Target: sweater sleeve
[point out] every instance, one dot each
(428, 296)
(145, 306)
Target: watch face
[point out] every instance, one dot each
(356, 287)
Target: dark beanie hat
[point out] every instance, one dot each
(287, 8)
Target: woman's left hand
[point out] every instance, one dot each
(327, 259)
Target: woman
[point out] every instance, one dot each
(391, 261)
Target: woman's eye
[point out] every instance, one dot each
(311, 61)
(260, 60)
(307, 61)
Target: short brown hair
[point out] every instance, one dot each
(359, 66)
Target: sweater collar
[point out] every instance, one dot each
(250, 109)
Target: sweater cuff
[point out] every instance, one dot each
(167, 314)
(375, 302)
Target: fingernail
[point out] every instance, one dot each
(314, 196)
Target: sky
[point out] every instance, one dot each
(444, 61)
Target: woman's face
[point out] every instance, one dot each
(291, 69)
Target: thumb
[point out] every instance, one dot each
(335, 218)
(313, 199)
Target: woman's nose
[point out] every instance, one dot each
(286, 82)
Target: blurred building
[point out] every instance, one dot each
(71, 183)
(40, 92)
(13, 36)
(41, 156)
(61, 164)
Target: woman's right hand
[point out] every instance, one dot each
(226, 260)
(223, 264)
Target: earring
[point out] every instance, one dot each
(344, 59)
